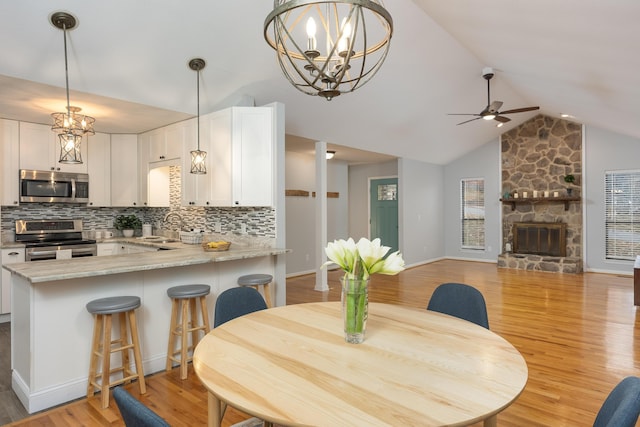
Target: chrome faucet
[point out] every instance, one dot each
(174, 214)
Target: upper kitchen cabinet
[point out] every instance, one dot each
(144, 139)
(124, 171)
(10, 152)
(241, 141)
(40, 150)
(99, 169)
(166, 143)
(196, 188)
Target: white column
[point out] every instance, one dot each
(321, 217)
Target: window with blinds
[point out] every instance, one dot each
(472, 203)
(622, 216)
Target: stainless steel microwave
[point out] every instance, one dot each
(53, 187)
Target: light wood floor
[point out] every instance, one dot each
(578, 333)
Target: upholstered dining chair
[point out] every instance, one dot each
(460, 300)
(237, 302)
(622, 407)
(134, 413)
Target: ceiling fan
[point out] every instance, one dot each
(491, 112)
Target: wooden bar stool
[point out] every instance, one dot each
(258, 281)
(185, 321)
(103, 346)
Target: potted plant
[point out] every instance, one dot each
(569, 179)
(127, 224)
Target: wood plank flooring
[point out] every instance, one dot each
(579, 334)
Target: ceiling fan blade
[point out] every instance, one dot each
(519, 110)
(502, 119)
(495, 106)
(462, 114)
(461, 123)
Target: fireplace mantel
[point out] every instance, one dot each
(513, 202)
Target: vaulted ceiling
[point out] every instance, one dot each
(128, 68)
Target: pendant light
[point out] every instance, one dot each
(326, 48)
(70, 126)
(198, 165)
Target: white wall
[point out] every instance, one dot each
(301, 211)
(483, 162)
(421, 214)
(604, 151)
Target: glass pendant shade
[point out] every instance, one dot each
(197, 162)
(326, 48)
(70, 148)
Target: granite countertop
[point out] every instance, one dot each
(180, 255)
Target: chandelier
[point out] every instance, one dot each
(71, 125)
(326, 48)
(197, 157)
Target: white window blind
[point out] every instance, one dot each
(622, 218)
(472, 203)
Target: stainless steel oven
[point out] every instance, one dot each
(54, 239)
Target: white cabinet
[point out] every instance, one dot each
(124, 170)
(106, 249)
(9, 256)
(196, 189)
(241, 141)
(40, 150)
(143, 168)
(10, 152)
(166, 143)
(99, 169)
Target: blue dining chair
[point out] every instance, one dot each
(236, 302)
(622, 407)
(134, 413)
(460, 300)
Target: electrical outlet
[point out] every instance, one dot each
(109, 223)
(243, 228)
(217, 227)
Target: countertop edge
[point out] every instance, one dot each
(55, 270)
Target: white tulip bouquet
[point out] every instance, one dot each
(361, 260)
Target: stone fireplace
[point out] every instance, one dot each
(542, 232)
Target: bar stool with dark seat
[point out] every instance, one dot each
(185, 321)
(103, 346)
(258, 281)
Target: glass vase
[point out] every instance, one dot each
(355, 307)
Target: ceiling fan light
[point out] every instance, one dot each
(489, 117)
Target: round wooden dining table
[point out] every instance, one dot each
(291, 366)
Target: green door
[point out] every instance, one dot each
(384, 211)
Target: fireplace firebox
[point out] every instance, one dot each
(540, 238)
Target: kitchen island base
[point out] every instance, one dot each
(51, 328)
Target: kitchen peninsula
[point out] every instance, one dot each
(51, 328)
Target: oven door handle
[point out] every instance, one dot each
(41, 253)
(82, 251)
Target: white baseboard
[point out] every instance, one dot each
(66, 392)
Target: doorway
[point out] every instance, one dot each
(383, 211)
